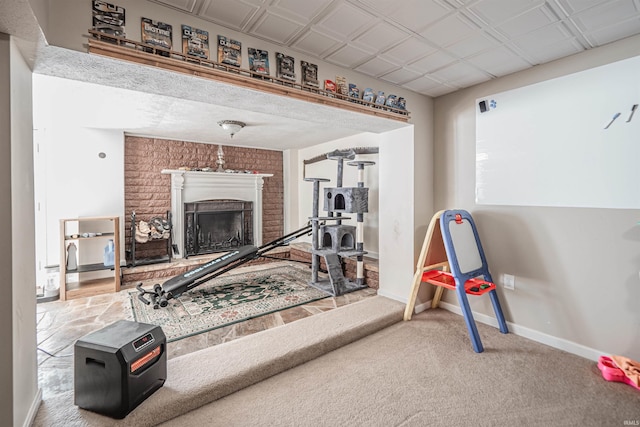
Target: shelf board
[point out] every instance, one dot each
(80, 237)
(90, 267)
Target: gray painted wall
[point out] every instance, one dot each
(577, 283)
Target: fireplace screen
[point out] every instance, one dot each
(217, 226)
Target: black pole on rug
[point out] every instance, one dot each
(174, 287)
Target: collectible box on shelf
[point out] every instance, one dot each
(330, 87)
(285, 67)
(309, 74)
(354, 92)
(156, 33)
(368, 95)
(341, 86)
(229, 51)
(108, 18)
(258, 61)
(380, 98)
(402, 103)
(391, 101)
(195, 42)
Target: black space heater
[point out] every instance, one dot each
(118, 367)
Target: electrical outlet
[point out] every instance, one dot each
(509, 281)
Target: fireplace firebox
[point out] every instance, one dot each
(217, 226)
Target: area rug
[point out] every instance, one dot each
(229, 299)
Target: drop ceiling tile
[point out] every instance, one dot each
(546, 36)
(376, 67)
(454, 72)
(556, 50)
(345, 20)
(527, 22)
(408, 50)
(605, 15)
(315, 44)
(499, 62)
(227, 13)
(380, 37)
(470, 78)
(616, 32)
(298, 10)
(276, 28)
(449, 30)
(186, 5)
(400, 76)
(574, 6)
(496, 11)
(417, 14)
(432, 62)
(348, 56)
(430, 87)
(422, 84)
(472, 45)
(384, 7)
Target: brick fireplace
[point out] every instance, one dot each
(148, 190)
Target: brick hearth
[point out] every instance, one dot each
(158, 273)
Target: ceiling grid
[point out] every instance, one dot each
(412, 43)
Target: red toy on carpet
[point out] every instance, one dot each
(628, 372)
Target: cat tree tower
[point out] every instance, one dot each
(335, 240)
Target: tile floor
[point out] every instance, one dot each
(61, 323)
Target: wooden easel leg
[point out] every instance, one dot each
(415, 287)
(435, 302)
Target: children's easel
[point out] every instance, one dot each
(467, 262)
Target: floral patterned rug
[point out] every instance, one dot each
(229, 299)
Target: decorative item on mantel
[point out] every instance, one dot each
(220, 162)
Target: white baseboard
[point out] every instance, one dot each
(422, 307)
(541, 337)
(533, 335)
(33, 410)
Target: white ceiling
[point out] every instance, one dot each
(431, 47)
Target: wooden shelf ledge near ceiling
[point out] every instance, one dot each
(140, 53)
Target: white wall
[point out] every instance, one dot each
(397, 213)
(18, 375)
(73, 180)
(577, 283)
(6, 256)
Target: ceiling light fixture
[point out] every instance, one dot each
(231, 126)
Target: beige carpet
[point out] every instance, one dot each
(425, 373)
(195, 379)
(418, 373)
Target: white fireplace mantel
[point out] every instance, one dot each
(194, 186)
